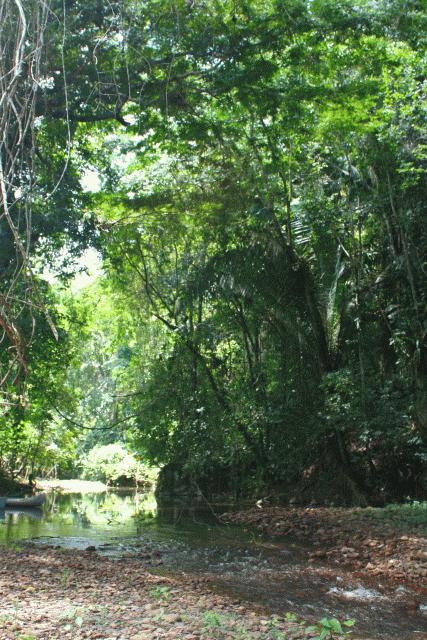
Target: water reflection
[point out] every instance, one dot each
(71, 515)
(181, 537)
(13, 514)
(101, 516)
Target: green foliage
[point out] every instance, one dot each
(261, 320)
(402, 515)
(31, 441)
(112, 464)
(330, 628)
(65, 576)
(161, 593)
(213, 624)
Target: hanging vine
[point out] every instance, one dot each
(22, 47)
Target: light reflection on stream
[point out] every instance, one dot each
(181, 538)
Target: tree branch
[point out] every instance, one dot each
(105, 428)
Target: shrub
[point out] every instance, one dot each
(113, 464)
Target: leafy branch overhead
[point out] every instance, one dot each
(250, 177)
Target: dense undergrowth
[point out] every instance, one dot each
(248, 181)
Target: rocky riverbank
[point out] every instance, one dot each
(158, 584)
(52, 594)
(390, 543)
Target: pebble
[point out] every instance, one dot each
(112, 605)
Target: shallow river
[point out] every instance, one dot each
(181, 538)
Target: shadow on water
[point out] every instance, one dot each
(178, 537)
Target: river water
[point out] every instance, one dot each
(187, 538)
